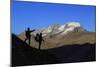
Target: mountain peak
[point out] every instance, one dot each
(70, 26)
(59, 35)
(60, 29)
(74, 24)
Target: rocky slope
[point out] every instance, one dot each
(60, 35)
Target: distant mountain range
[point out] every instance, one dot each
(59, 35)
(60, 29)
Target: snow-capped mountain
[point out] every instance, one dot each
(57, 35)
(60, 29)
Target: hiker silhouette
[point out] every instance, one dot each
(39, 39)
(28, 35)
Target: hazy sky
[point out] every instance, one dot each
(38, 15)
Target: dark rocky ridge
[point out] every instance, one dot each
(23, 54)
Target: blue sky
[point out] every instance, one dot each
(38, 15)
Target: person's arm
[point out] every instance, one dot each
(32, 30)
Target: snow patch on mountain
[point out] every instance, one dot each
(60, 29)
(73, 24)
(70, 27)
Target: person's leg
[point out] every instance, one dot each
(29, 41)
(25, 39)
(39, 45)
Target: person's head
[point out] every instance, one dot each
(37, 34)
(28, 28)
(40, 33)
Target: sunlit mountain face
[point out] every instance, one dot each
(59, 35)
(60, 29)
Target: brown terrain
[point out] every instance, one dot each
(72, 47)
(54, 41)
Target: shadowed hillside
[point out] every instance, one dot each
(23, 54)
(75, 53)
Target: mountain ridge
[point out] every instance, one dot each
(59, 35)
(62, 29)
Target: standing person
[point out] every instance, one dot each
(28, 35)
(39, 39)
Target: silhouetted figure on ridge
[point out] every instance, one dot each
(28, 35)
(39, 39)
